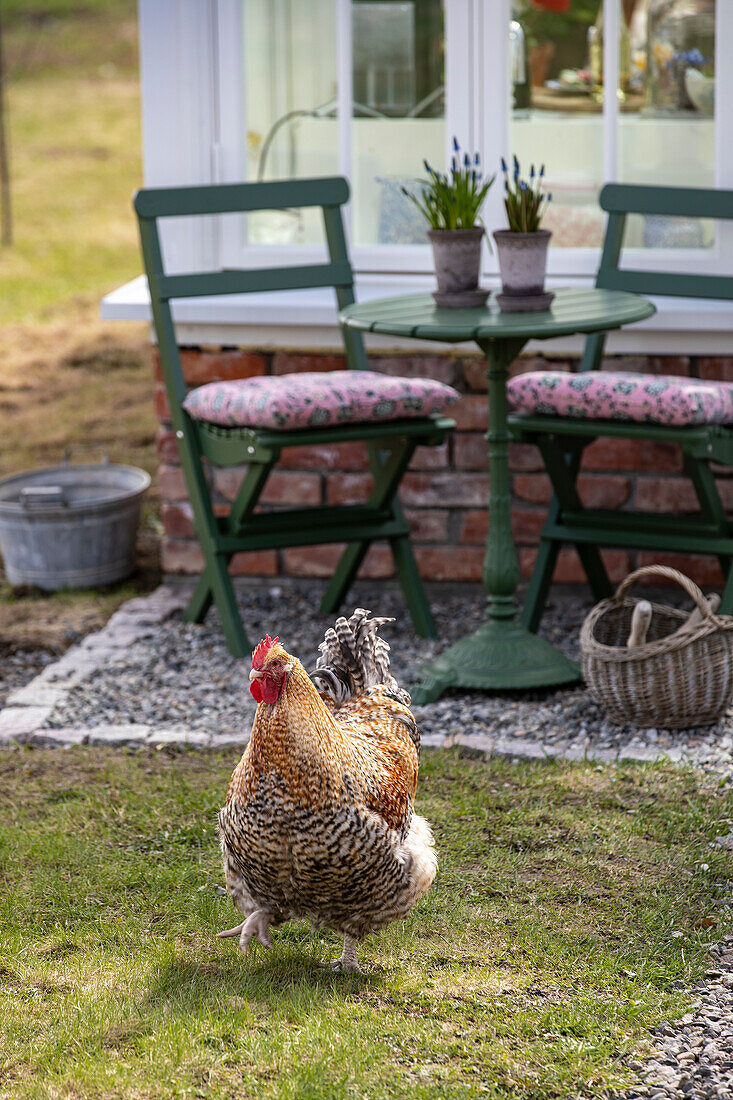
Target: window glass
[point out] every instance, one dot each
(669, 138)
(290, 106)
(666, 108)
(399, 111)
(556, 103)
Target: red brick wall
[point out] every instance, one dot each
(445, 491)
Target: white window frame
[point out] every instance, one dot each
(476, 77)
(192, 115)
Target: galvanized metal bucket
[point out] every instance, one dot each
(71, 526)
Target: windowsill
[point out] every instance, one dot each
(307, 319)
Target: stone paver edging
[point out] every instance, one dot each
(28, 708)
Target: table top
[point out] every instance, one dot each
(575, 309)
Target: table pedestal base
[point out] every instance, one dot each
(500, 655)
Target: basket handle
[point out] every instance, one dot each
(671, 574)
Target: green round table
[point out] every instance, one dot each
(501, 653)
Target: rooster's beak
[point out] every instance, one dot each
(255, 675)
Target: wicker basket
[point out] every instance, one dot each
(673, 681)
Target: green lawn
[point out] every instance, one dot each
(533, 969)
(73, 103)
(74, 124)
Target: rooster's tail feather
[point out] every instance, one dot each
(354, 658)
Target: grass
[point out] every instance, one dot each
(67, 379)
(533, 970)
(74, 123)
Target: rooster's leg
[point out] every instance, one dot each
(348, 963)
(348, 960)
(256, 925)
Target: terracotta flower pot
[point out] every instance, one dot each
(523, 263)
(457, 255)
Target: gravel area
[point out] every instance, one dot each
(693, 1057)
(181, 676)
(18, 667)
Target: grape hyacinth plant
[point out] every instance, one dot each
(450, 203)
(524, 201)
(522, 248)
(452, 200)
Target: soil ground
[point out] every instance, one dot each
(68, 380)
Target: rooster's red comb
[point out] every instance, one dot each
(258, 657)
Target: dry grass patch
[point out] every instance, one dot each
(66, 378)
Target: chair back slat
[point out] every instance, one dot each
(681, 202)
(620, 200)
(249, 280)
(151, 204)
(240, 198)
(667, 283)
(336, 240)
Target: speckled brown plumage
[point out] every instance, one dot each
(318, 821)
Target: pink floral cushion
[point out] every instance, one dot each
(316, 400)
(615, 395)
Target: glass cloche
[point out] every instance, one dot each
(681, 55)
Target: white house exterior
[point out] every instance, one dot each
(248, 89)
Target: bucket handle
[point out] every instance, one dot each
(85, 447)
(43, 496)
(670, 574)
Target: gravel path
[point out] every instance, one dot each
(181, 677)
(693, 1058)
(18, 667)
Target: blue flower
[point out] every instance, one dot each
(504, 165)
(456, 146)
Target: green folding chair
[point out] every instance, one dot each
(390, 443)
(562, 434)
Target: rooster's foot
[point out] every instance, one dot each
(256, 925)
(338, 967)
(348, 963)
(230, 932)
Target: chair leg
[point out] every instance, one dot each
(388, 472)
(200, 602)
(412, 586)
(726, 602)
(563, 465)
(344, 576)
(221, 588)
(203, 595)
(539, 585)
(595, 571)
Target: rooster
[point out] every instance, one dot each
(318, 821)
